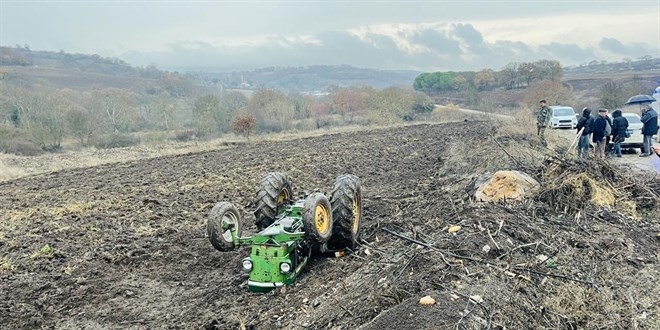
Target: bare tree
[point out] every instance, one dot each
(206, 113)
(114, 109)
(165, 107)
(612, 94)
(548, 69)
(554, 92)
(40, 112)
(80, 123)
(349, 101)
(391, 105)
(527, 72)
(509, 76)
(484, 79)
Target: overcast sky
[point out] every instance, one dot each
(420, 35)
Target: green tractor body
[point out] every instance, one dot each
(278, 253)
(289, 231)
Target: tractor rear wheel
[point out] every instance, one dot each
(224, 221)
(346, 211)
(274, 190)
(317, 218)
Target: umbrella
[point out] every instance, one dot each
(640, 99)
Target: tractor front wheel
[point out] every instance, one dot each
(223, 224)
(273, 191)
(346, 211)
(317, 218)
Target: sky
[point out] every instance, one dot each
(441, 35)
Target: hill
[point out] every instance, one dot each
(81, 71)
(311, 78)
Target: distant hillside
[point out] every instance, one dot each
(85, 72)
(311, 78)
(645, 73)
(81, 71)
(641, 66)
(25, 57)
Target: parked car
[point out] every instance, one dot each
(563, 117)
(636, 139)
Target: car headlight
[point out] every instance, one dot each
(285, 267)
(247, 264)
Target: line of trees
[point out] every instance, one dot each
(513, 75)
(106, 117)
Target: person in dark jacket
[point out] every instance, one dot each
(584, 123)
(599, 133)
(619, 127)
(608, 134)
(650, 128)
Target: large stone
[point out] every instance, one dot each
(505, 186)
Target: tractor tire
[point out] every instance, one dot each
(346, 212)
(223, 221)
(274, 190)
(317, 219)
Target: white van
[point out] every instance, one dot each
(563, 117)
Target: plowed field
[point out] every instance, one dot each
(124, 246)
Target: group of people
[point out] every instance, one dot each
(602, 129)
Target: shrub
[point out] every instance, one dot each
(187, 135)
(115, 141)
(15, 141)
(244, 125)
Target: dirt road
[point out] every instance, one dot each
(630, 159)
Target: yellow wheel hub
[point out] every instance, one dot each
(283, 196)
(322, 218)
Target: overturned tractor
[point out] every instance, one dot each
(290, 231)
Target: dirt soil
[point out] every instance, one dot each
(124, 246)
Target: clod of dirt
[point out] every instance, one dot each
(426, 300)
(453, 229)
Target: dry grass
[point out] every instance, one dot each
(9, 172)
(633, 305)
(514, 145)
(74, 207)
(13, 166)
(510, 144)
(582, 184)
(6, 266)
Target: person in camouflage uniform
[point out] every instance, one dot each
(542, 119)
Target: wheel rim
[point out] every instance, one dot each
(283, 196)
(229, 221)
(356, 213)
(321, 218)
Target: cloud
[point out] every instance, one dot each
(630, 50)
(468, 34)
(430, 47)
(567, 53)
(437, 42)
